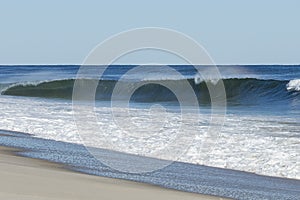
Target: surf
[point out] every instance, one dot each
(238, 90)
(293, 85)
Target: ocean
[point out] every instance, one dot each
(255, 154)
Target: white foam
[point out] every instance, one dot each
(212, 79)
(268, 146)
(293, 85)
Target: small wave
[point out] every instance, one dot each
(293, 85)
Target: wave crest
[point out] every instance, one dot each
(293, 85)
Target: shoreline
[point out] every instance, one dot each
(183, 177)
(30, 178)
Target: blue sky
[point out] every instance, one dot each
(232, 31)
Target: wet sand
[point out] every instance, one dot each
(26, 178)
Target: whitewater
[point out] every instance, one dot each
(260, 134)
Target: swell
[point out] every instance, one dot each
(238, 91)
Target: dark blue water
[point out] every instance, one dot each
(256, 88)
(19, 73)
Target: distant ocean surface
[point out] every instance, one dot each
(261, 132)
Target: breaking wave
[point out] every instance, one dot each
(238, 91)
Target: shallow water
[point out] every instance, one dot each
(178, 175)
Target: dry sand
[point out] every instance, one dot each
(26, 178)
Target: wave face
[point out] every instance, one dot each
(245, 91)
(48, 89)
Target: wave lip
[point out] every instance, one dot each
(293, 85)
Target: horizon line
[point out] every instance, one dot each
(179, 64)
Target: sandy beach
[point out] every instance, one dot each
(27, 178)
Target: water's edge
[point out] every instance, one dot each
(199, 179)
